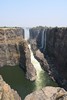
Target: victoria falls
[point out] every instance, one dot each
(15, 75)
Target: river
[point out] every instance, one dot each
(15, 77)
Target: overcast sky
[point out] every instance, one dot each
(31, 13)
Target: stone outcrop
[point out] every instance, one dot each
(6, 93)
(9, 49)
(52, 42)
(43, 62)
(14, 50)
(25, 61)
(48, 93)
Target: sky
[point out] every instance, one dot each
(31, 13)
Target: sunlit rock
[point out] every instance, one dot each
(48, 93)
(6, 93)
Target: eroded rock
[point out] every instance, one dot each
(9, 49)
(25, 61)
(6, 93)
(43, 62)
(48, 93)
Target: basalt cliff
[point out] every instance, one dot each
(50, 49)
(14, 51)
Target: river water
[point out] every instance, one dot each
(15, 77)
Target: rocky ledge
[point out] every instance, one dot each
(48, 93)
(6, 93)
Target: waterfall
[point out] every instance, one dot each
(26, 31)
(38, 68)
(43, 40)
(42, 43)
(40, 72)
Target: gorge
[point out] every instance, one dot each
(55, 40)
(16, 54)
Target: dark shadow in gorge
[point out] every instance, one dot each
(22, 59)
(54, 71)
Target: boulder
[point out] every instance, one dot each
(6, 93)
(48, 93)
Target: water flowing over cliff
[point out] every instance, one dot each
(15, 50)
(41, 75)
(53, 43)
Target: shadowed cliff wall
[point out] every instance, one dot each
(56, 46)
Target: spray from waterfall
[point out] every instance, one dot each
(39, 70)
(42, 43)
(43, 40)
(26, 31)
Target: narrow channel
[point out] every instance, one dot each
(15, 77)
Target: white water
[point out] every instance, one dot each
(39, 70)
(26, 31)
(45, 40)
(42, 40)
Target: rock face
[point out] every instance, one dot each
(43, 62)
(48, 93)
(6, 93)
(14, 50)
(53, 43)
(9, 49)
(57, 47)
(25, 61)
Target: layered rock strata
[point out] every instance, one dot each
(9, 49)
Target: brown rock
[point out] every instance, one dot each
(48, 93)
(9, 40)
(25, 61)
(6, 93)
(43, 62)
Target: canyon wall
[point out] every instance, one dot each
(9, 49)
(14, 51)
(54, 45)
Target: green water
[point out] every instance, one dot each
(15, 77)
